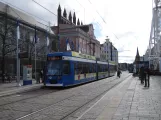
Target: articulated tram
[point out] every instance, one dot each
(72, 68)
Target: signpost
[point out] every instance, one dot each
(27, 74)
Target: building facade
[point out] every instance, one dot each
(72, 32)
(108, 52)
(28, 27)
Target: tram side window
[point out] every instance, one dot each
(106, 68)
(91, 67)
(82, 68)
(112, 68)
(66, 67)
(99, 68)
(85, 68)
(94, 67)
(103, 68)
(78, 67)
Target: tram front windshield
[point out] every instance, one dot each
(54, 67)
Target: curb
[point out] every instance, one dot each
(20, 90)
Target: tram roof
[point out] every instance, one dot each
(72, 54)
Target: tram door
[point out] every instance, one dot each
(66, 72)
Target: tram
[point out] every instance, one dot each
(71, 68)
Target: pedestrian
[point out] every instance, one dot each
(41, 75)
(134, 71)
(142, 74)
(44, 74)
(118, 72)
(38, 75)
(147, 77)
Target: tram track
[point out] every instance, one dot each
(36, 95)
(94, 99)
(67, 98)
(41, 90)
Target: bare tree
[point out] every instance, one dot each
(29, 45)
(7, 39)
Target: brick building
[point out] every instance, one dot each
(71, 31)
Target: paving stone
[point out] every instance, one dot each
(137, 102)
(26, 107)
(41, 117)
(11, 114)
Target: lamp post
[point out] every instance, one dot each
(17, 54)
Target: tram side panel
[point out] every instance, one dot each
(112, 69)
(102, 69)
(84, 72)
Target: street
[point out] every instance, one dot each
(53, 103)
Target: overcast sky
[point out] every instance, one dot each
(126, 22)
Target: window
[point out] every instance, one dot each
(82, 67)
(54, 68)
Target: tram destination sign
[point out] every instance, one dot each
(54, 58)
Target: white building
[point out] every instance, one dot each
(109, 52)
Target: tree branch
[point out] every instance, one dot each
(7, 45)
(40, 49)
(8, 28)
(10, 51)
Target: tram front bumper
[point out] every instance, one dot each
(56, 85)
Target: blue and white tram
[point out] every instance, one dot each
(72, 68)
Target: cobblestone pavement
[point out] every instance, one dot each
(57, 105)
(141, 103)
(127, 101)
(11, 88)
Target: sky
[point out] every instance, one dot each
(127, 23)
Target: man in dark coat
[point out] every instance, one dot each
(147, 77)
(142, 74)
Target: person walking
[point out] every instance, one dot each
(118, 72)
(134, 71)
(38, 76)
(147, 77)
(41, 76)
(44, 74)
(142, 74)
